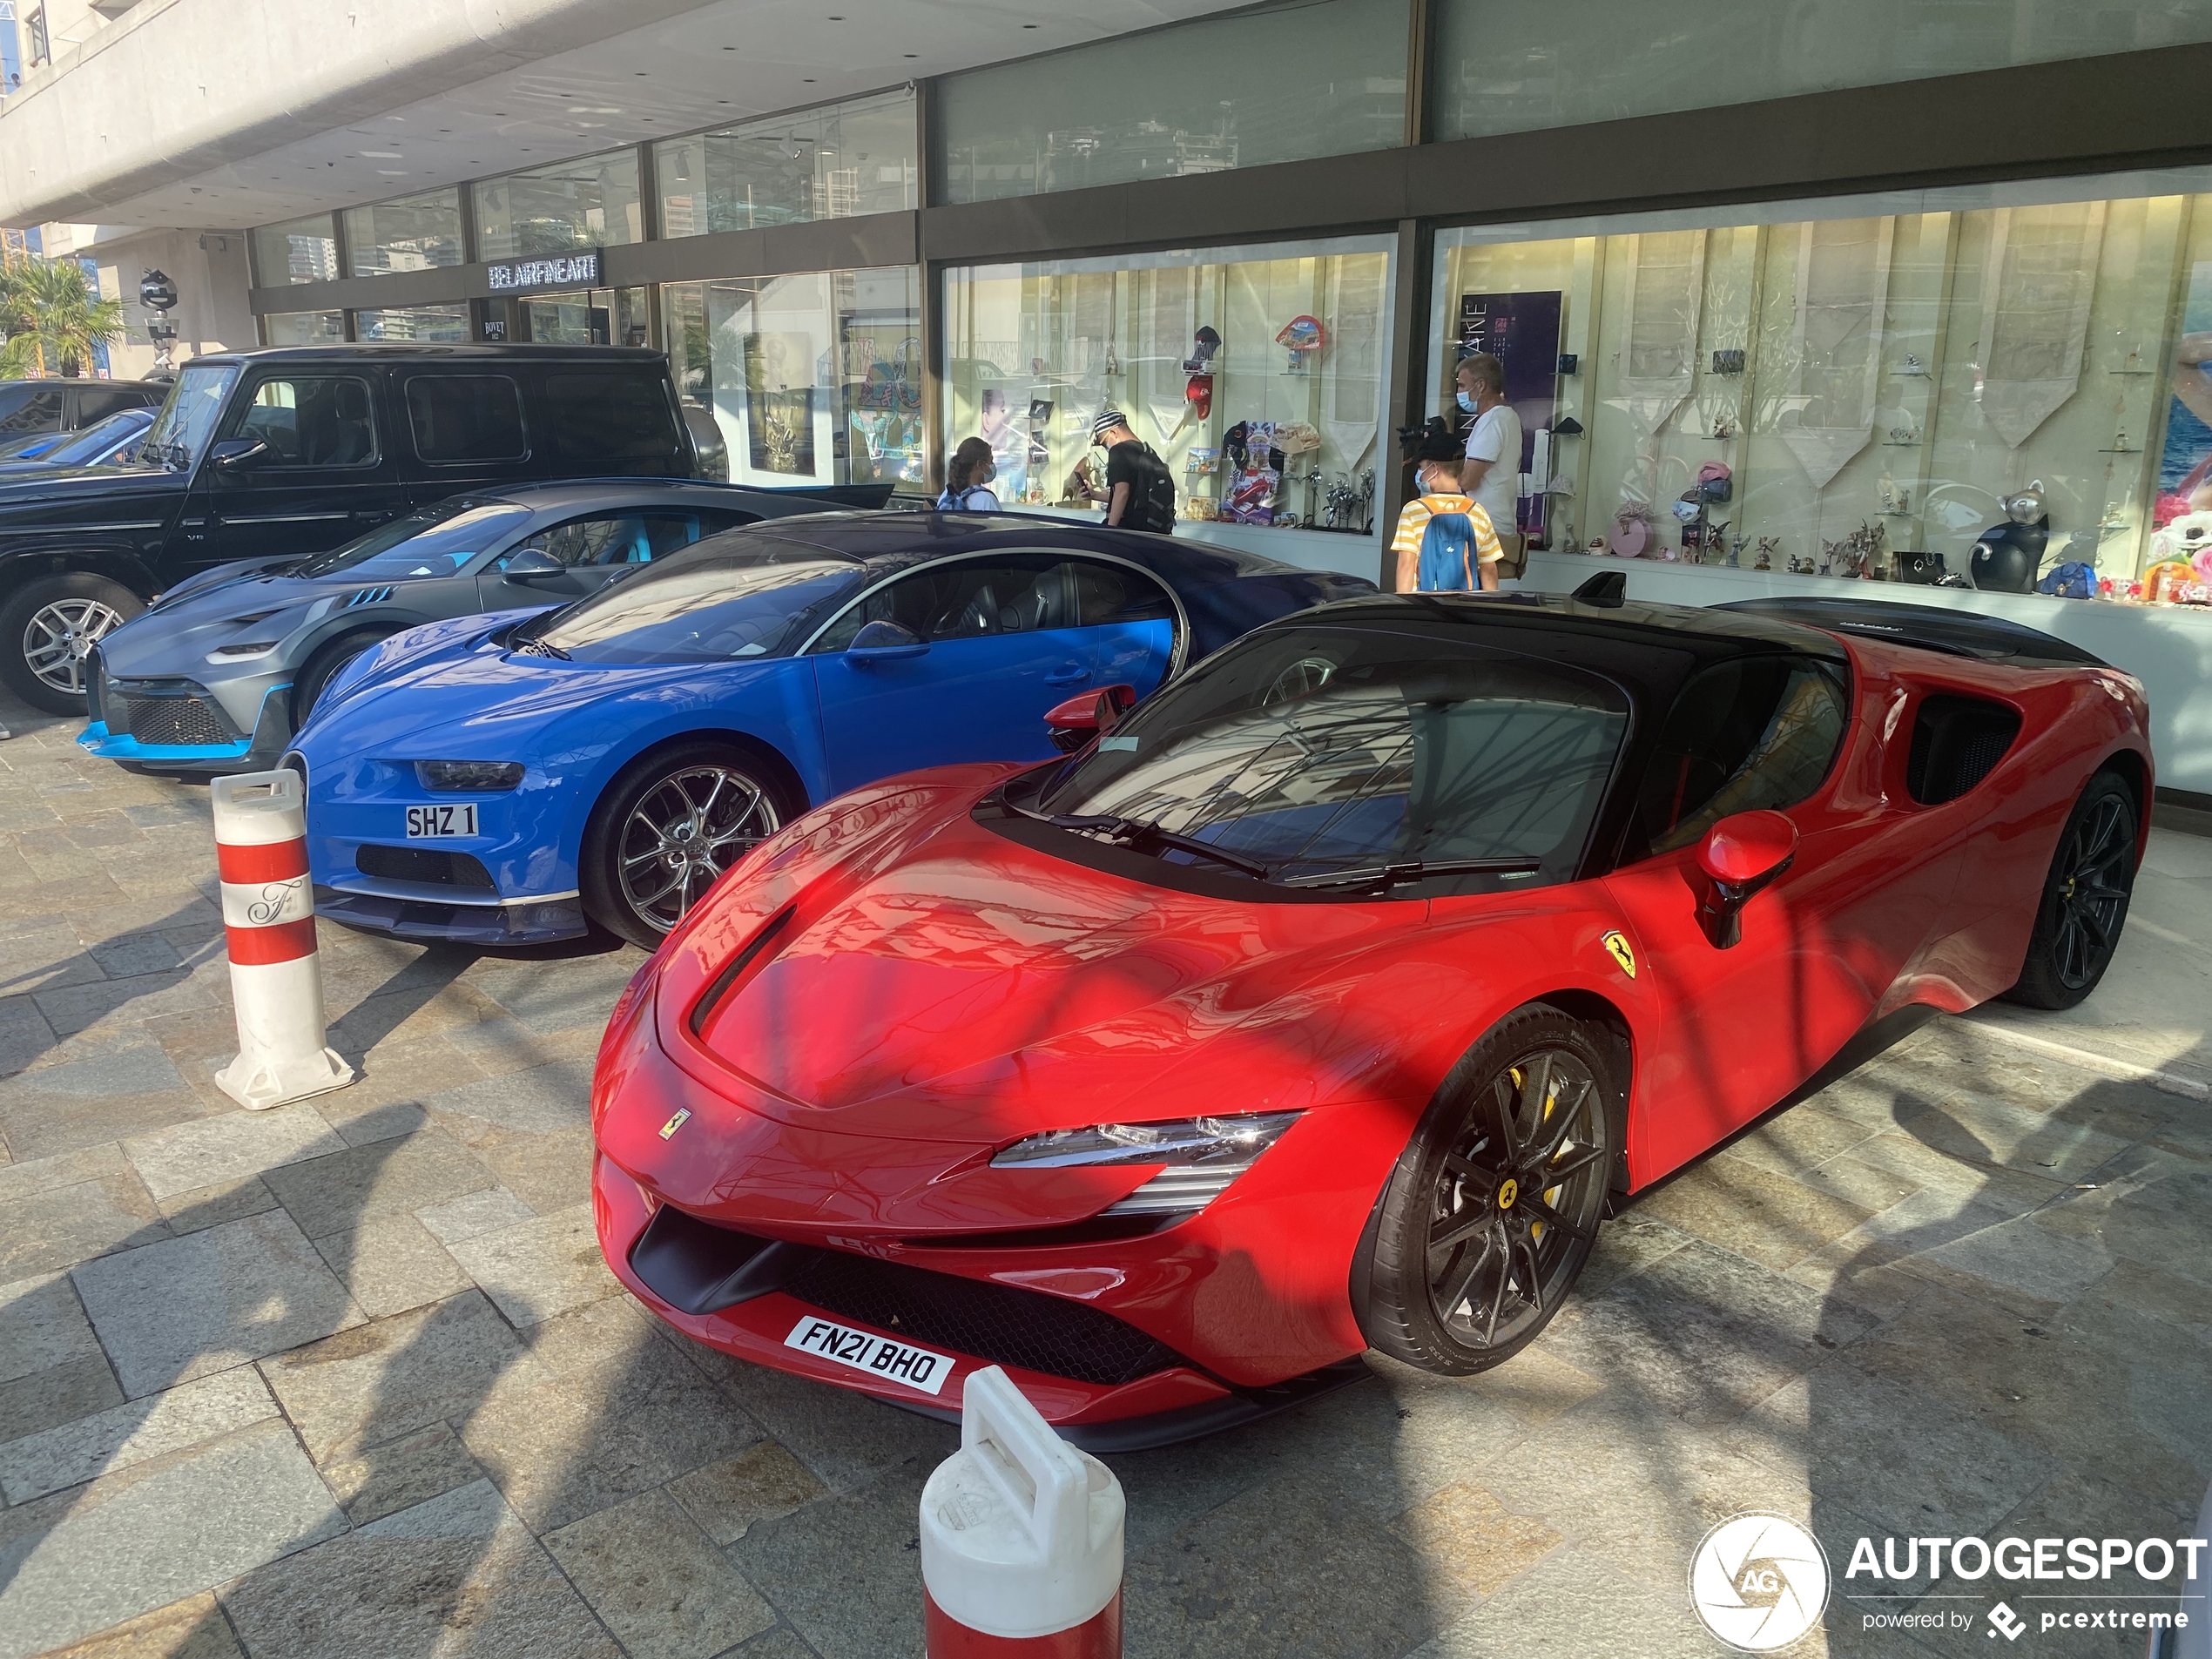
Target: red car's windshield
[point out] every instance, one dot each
(1316, 753)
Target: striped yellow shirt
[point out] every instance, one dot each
(1414, 521)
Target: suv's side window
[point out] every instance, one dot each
(627, 537)
(465, 417)
(612, 417)
(98, 402)
(313, 420)
(969, 599)
(36, 408)
(1761, 731)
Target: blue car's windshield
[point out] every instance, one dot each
(431, 541)
(94, 441)
(734, 595)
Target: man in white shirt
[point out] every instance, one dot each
(1491, 473)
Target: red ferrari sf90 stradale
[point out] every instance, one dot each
(1323, 1002)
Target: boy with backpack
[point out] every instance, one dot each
(1140, 491)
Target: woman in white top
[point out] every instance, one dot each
(970, 469)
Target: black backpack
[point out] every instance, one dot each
(1151, 505)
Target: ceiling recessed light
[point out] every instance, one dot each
(809, 80)
(911, 54)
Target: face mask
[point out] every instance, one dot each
(1467, 404)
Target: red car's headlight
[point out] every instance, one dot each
(1203, 1155)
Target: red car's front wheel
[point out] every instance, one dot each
(1495, 1203)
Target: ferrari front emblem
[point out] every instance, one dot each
(1616, 946)
(683, 1115)
(1508, 1190)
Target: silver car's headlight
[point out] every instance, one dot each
(249, 648)
(1203, 1155)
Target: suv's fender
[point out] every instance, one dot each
(59, 556)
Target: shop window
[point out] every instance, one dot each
(465, 417)
(1757, 733)
(596, 317)
(2005, 392)
(813, 378)
(305, 250)
(324, 420)
(611, 417)
(304, 328)
(410, 234)
(439, 323)
(1256, 375)
(841, 159)
(1281, 82)
(591, 203)
(1519, 65)
(1956, 742)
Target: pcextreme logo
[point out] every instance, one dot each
(1759, 1582)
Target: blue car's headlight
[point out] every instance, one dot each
(477, 775)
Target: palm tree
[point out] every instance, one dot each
(51, 318)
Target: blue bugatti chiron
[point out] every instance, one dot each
(516, 777)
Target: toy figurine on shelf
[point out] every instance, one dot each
(1801, 564)
(1855, 555)
(1769, 546)
(1723, 427)
(1736, 553)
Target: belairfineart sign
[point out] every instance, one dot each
(561, 271)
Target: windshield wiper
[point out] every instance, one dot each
(1135, 830)
(1393, 875)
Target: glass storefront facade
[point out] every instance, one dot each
(304, 328)
(411, 234)
(860, 156)
(1312, 78)
(441, 323)
(587, 203)
(305, 250)
(596, 317)
(1256, 374)
(1862, 384)
(1521, 65)
(811, 379)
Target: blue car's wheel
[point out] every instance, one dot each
(668, 828)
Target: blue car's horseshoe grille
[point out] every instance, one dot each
(1038, 1332)
(424, 864)
(174, 720)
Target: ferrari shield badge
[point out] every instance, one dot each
(1616, 946)
(683, 1114)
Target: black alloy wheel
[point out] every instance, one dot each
(666, 831)
(2084, 907)
(1495, 1204)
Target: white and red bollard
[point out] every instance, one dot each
(1021, 1538)
(269, 925)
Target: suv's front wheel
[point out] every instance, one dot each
(47, 633)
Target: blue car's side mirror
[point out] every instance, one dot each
(883, 641)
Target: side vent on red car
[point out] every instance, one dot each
(1956, 742)
(704, 1009)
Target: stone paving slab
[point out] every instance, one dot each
(349, 1378)
(181, 1308)
(79, 1561)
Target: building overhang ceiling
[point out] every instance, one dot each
(191, 117)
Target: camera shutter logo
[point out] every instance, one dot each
(1759, 1582)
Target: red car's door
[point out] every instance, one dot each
(1820, 947)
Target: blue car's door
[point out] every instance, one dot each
(1005, 638)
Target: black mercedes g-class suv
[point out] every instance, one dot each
(282, 453)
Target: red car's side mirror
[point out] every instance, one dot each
(1087, 714)
(1740, 855)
